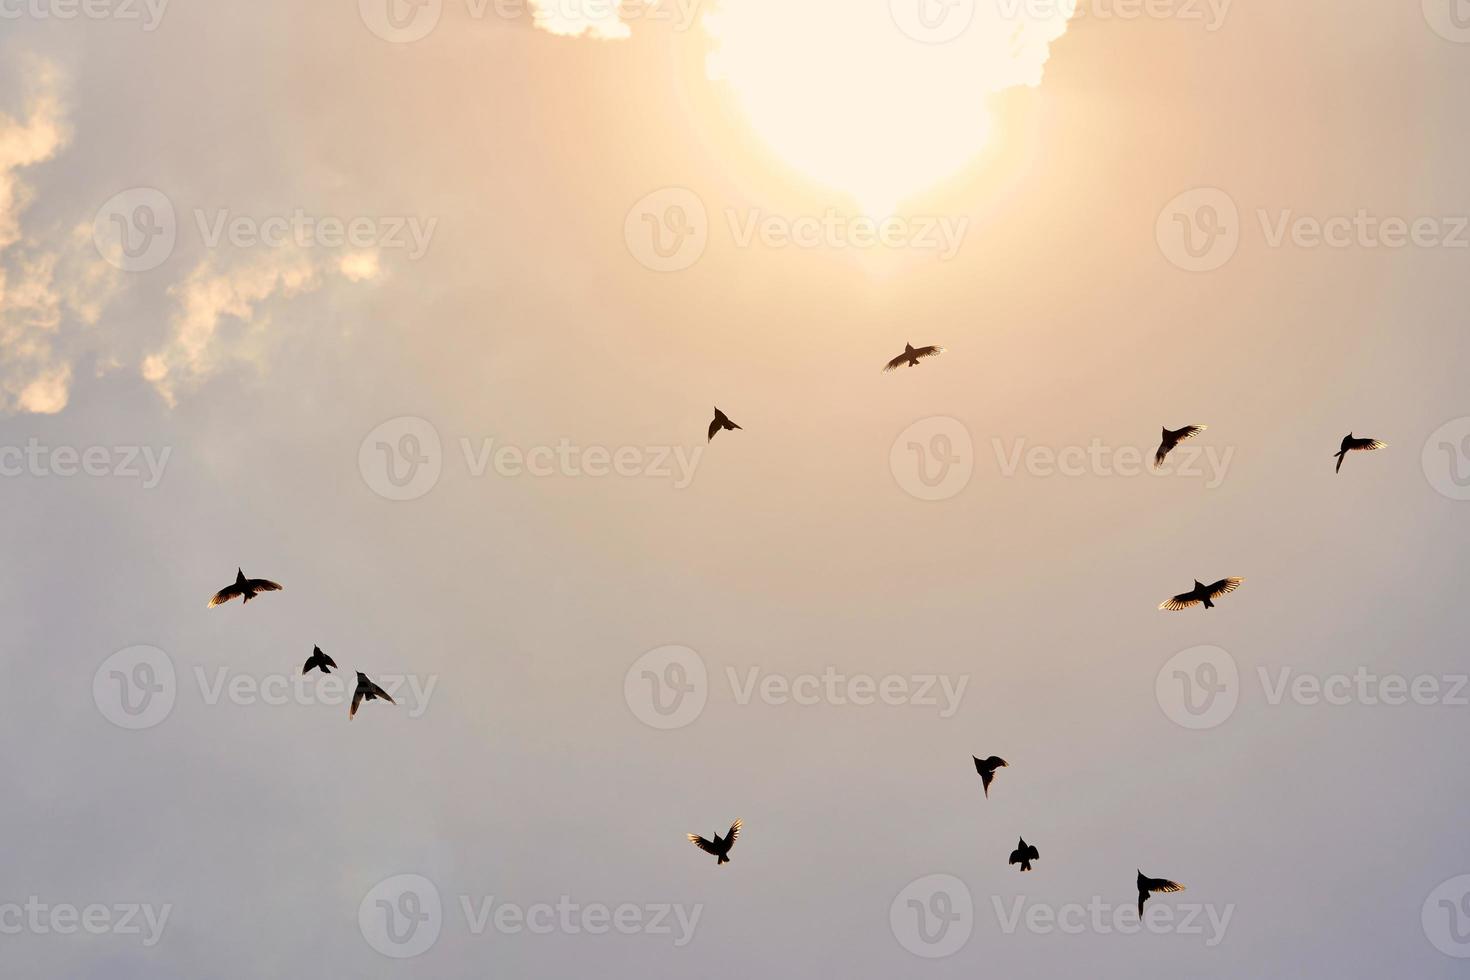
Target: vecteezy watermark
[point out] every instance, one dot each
(403, 916)
(933, 21)
(403, 459)
(1201, 687)
(148, 13)
(122, 462)
(1450, 19)
(1211, 13)
(668, 688)
(38, 918)
(1099, 459)
(1446, 917)
(406, 21)
(1104, 918)
(1446, 459)
(136, 687)
(136, 229)
(1199, 230)
(669, 229)
(933, 916)
(933, 459)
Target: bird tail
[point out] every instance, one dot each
(1208, 603)
(1340, 456)
(1026, 864)
(724, 859)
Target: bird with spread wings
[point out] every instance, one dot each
(720, 846)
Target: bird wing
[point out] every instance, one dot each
(1223, 586)
(987, 776)
(1142, 897)
(1035, 854)
(932, 351)
(1016, 857)
(895, 362)
(704, 845)
(714, 427)
(263, 585)
(734, 833)
(378, 692)
(1163, 885)
(356, 700)
(224, 595)
(1164, 449)
(310, 663)
(1182, 601)
(1369, 445)
(328, 661)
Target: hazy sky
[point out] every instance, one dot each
(423, 310)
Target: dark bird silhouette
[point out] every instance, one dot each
(722, 421)
(986, 768)
(720, 846)
(1202, 593)
(912, 356)
(1174, 438)
(366, 689)
(318, 659)
(1352, 444)
(246, 588)
(1024, 854)
(1147, 886)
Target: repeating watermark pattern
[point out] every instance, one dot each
(933, 21)
(402, 458)
(933, 459)
(406, 21)
(1446, 917)
(135, 230)
(1201, 687)
(1450, 19)
(668, 688)
(669, 230)
(146, 13)
(1446, 459)
(37, 918)
(136, 687)
(1199, 230)
(1098, 459)
(143, 463)
(933, 916)
(1210, 14)
(1101, 917)
(403, 917)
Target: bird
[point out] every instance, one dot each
(722, 421)
(366, 689)
(720, 846)
(1147, 886)
(318, 659)
(1352, 443)
(986, 768)
(246, 588)
(912, 355)
(1024, 854)
(1201, 593)
(1173, 438)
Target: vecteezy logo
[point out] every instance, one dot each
(1446, 459)
(932, 21)
(402, 458)
(400, 21)
(667, 231)
(401, 916)
(667, 688)
(1199, 230)
(135, 687)
(1446, 917)
(1450, 19)
(934, 458)
(933, 916)
(135, 229)
(1199, 687)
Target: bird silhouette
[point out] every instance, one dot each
(720, 846)
(1352, 443)
(366, 690)
(912, 355)
(722, 421)
(986, 768)
(245, 588)
(1147, 886)
(318, 659)
(1173, 438)
(1024, 854)
(1202, 593)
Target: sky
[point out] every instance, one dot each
(423, 311)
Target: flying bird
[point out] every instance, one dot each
(318, 659)
(1173, 438)
(722, 421)
(1147, 886)
(986, 768)
(246, 588)
(366, 689)
(912, 355)
(1024, 854)
(1202, 593)
(720, 846)
(1352, 443)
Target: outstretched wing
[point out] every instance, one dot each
(1016, 857)
(895, 362)
(987, 776)
(1368, 445)
(378, 692)
(1182, 601)
(924, 352)
(224, 595)
(1163, 885)
(1164, 449)
(704, 845)
(1035, 854)
(263, 585)
(734, 833)
(1223, 586)
(356, 700)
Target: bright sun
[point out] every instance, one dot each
(853, 99)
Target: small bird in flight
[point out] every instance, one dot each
(1147, 886)
(1024, 854)
(720, 846)
(986, 768)
(1174, 438)
(366, 689)
(912, 355)
(722, 421)
(318, 659)
(247, 588)
(1202, 593)
(1352, 443)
